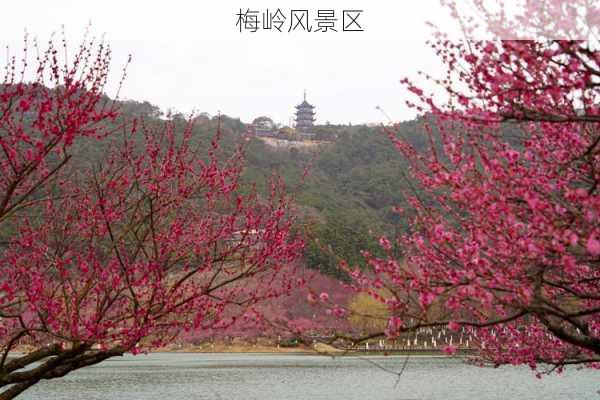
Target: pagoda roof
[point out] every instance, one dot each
(305, 104)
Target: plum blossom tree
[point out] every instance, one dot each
(100, 259)
(504, 223)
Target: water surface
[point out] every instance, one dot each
(179, 376)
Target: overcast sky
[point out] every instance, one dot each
(190, 55)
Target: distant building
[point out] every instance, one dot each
(264, 126)
(305, 119)
(304, 127)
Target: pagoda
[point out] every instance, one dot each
(305, 118)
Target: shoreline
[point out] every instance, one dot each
(267, 349)
(315, 353)
(319, 349)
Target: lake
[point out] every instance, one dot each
(178, 376)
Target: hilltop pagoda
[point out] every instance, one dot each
(305, 118)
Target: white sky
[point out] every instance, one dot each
(190, 54)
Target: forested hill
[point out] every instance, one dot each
(350, 191)
(347, 198)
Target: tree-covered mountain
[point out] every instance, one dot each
(345, 191)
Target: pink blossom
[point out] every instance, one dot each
(449, 349)
(453, 326)
(385, 243)
(593, 245)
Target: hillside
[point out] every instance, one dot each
(350, 190)
(346, 199)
